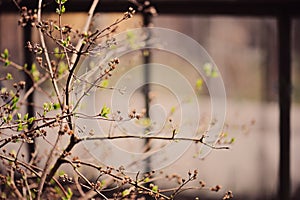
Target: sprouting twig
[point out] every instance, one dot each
(13, 185)
(154, 138)
(27, 186)
(85, 179)
(46, 167)
(61, 36)
(43, 44)
(116, 177)
(85, 29)
(73, 140)
(32, 168)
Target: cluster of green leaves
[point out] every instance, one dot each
(24, 121)
(49, 106)
(62, 8)
(5, 56)
(210, 70)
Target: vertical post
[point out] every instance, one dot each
(28, 59)
(284, 77)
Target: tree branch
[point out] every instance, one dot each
(43, 44)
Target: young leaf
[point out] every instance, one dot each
(9, 76)
(69, 194)
(25, 117)
(207, 67)
(155, 188)
(56, 106)
(62, 67)
(104, 83)
(9, 118)
(104, 111)
(31, 119)
(232, 140)
(20, 127)
(63, 9)
(210, 70)
(35, 72)
(7, 62)
(5, 54)
(173, 109)
(125, 193)
(199, 84)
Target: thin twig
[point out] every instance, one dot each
(46, 167)
(85, 179)
(32, 169)
(85, 29)
(61, 36)
(43, 44)
(13, 185)
(78, 186)
(76, 57)
(178, 190)
(27, 186)
(116, 177)
(200, 140)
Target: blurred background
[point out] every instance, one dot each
(245, 51)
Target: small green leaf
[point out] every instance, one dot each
(214, 73)
(104, 83)
(173, 109)
(58, 11)
(6, 63)
(125, 193)
(35, 72)
(9, 76)
(210, 70)
(63, 9)
(70, 193)
(104, 111)
(207, 67)
(14, 103)
(25, 117)
(9, 117)
(60, 1)
(146, 122)
(31, 119)
(147, 179)
(45, 106)
(56, 50)
(20, 127)
(56, 106)
(199, 84)
(56, 27)
(5, 54)
(232, 140)
(15, 100)
(61, 173)
(19, 116)
(155, 188)
(62, 67)
(3, 90)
